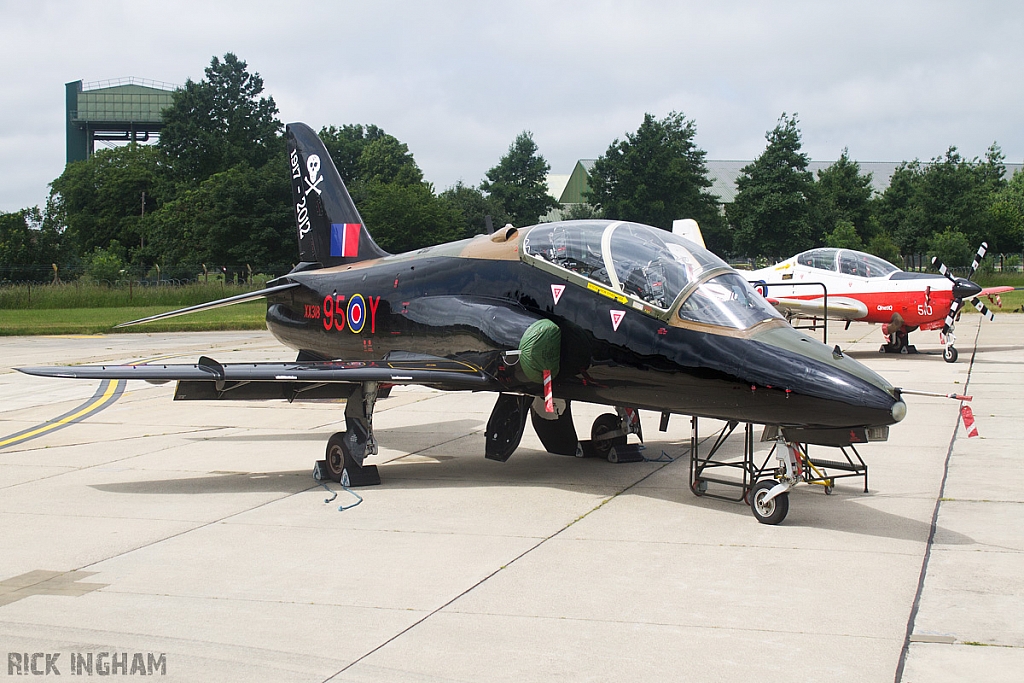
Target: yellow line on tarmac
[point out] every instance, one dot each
(94, 405)
(98, 402)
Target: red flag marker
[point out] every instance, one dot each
(968, 416)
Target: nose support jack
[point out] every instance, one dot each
(763, 487)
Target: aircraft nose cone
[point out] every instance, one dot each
(965, 289)
(839, 391)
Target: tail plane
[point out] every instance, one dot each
(328, 225)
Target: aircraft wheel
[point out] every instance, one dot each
(949, 354)
(608, 422)
(775, 510)
(335, 456)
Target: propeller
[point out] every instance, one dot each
(964, 288)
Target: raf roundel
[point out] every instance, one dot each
(356, 313)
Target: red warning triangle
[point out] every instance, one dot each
(556, 292)
(617, 317)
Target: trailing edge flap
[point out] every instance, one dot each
(435, 372)
(839, 308)
(219, 303)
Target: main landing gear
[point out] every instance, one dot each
(557, 431)
(608, 436)
(897, 337)
(347, 450)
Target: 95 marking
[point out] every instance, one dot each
(339, 314)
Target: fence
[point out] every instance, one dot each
(38, 275)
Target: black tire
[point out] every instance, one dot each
(608, 422)
(335, 457)
(776, 509)
(950, 354)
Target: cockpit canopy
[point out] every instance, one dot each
(652, 265)
(847, 262)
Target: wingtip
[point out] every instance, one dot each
(47, 371)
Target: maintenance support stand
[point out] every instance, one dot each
(762, 487)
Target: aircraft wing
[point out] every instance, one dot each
(442, 373)
(992, 291)
(839, 308)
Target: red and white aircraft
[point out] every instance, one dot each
(865, 288)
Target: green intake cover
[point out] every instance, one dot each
(540, 349)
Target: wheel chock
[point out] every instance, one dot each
(627, 453)
(366, 475)
(320, 470)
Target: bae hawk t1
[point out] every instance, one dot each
(607, 312)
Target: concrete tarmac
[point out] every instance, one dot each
(189, 540)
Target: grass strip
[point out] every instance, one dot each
(91, 295)
(247, 316)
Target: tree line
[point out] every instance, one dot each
(214, 192)
(945, 207)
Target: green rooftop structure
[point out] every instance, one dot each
(123, 110)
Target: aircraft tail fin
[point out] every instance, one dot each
(688, 228)
(329, 227)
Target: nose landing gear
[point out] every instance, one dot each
(767, 509)
(949, 353)
(769, 499)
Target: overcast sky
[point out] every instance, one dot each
(457, 81)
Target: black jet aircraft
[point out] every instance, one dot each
(606, 312)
